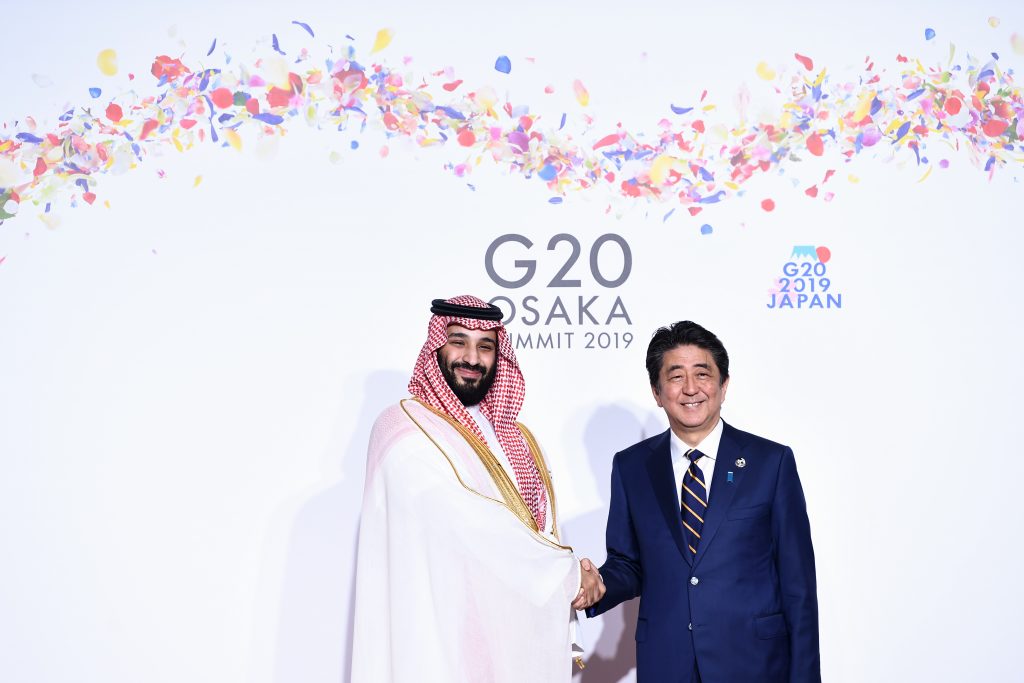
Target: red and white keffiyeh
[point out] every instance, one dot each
(501, 404)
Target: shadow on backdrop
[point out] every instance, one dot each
(608, 430)
(314, 643)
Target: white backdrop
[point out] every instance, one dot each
(189, 376)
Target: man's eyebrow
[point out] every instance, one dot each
(673, 368)
(463, 335)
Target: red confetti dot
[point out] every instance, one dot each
(187, 123)
(768, 205)
(89, 197)
(466, 137)
(806, 61)
(953, 105)
(222, 97)
(148, 127)
(630, 189)
(815, 145)
(823, 254)
(452, 86)
(279, 97)
(811, 191)
(995, 127)
(40, 168)
(114, 112)
(252, 105)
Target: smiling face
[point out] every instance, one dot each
(469, 361)
(690, 391)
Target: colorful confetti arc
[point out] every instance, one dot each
(687, 160)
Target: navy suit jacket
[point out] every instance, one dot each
(744, 608)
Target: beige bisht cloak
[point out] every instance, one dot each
(452, 583)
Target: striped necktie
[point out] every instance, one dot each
(695, 500)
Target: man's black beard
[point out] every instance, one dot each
(468, 394)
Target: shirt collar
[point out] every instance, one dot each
(709, 446)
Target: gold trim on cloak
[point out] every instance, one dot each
(511, 498)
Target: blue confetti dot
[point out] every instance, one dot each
(95, 92)
(548, 172)
(504, 64)
(555, 200)
(354, 145)
(929, 33)
(706, 229)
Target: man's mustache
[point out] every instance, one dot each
(469, 366)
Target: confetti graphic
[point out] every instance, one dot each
(902, 111)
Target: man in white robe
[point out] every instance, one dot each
(461, 576)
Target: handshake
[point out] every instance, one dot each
(591, 585)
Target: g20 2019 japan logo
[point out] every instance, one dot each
(805, 281)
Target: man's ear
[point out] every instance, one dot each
(657, 396)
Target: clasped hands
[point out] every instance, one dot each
(591, 585)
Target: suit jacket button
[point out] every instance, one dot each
(694, 580)
(690, 626)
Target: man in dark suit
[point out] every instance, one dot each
(708, 526)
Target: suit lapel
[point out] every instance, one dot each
(663, 478)
(722, 490)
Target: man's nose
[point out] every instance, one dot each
(472, 356)
(690, 386)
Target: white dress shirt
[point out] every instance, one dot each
(680, 463)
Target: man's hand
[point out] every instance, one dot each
(591, 588)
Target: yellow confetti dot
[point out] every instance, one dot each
(993, 21)
(1017, 41)
(853, 179)
(198, 180)
(10, 173)
(765, 72)
(383, 39)
(582, 96)
(660, 168)
(864, 105)
(234, 139)
(106, 60)
(275, 70)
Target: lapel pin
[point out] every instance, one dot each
(740, 462)
(728, 477)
